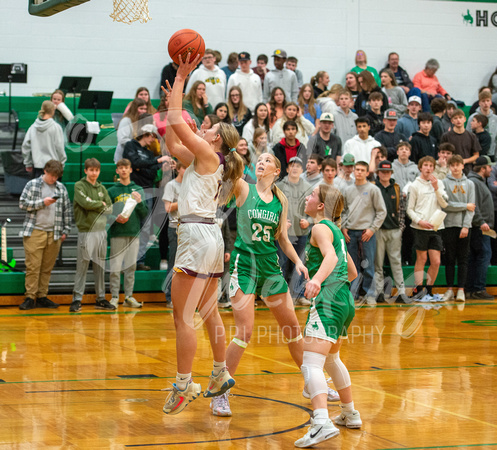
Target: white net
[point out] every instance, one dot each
(129, 11)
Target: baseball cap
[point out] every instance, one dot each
(391, 114)
(244, 56)
(385, 165)
(149, 128)
(348, 160)
(296, 159)
(279, 53)
(327, 117)
(414, 98)
(483, 161)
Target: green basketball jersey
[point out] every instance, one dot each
(256, 223)
(314, 258)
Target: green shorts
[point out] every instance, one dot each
(331, 313)
(256, 274)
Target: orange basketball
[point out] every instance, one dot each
(183, 42)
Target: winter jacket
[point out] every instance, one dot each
(424, 201)
(44, 141)
(89, 208)
(484, 212)
(143, 162)
(406, 80)
(460, 192)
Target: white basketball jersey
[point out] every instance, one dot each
(199, 194)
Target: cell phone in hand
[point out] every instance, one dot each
(56, 197)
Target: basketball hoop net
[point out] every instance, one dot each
(129, 11)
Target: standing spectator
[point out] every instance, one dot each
(289, 146)
(240, 114)
(296, 190)
(62, 114)
(276, 105)
(361, 145)
(213, 78)
(422, 143)
(485, 101)
(308, 105)
(389, 137)
(129, 125)
(91, 205)
(325, 143)
(261, 68)
(312, 173)
(368, 86)
(344, 117)
(374, 113)
(124, 235)
(363, 214)
(329, 171)
(232, 61)
(291, 64)
(466, 144)
(480, 251)
(428, 83)
(455, 235)
(248, 82)
(405, 171)
(445, 152)
(196, 103)
(168, 74)
(447, 117)
(426, 196)
(281, 77)
(304, 127)
(396, 96)
(476, 104)
(145, 166)
(408, 124)
(44, 141)
(352, 85)
(328, 99)
(344, 178)
(389, 236)
(320, 82)
(46, 226)
(361, 61)
(438, 108)
(478, 124)
(491, 181)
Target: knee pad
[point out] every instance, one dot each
(312, 370)
(337, 371)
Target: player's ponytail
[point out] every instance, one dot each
(333, 203)
(282, 198)
(234, 165)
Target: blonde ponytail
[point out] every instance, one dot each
(47, 107)
(333, 203)
(234, 165)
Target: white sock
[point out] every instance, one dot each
(217, 367)
(320, 416)
(182, 380)
(347, 407)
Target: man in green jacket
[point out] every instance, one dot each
(124, 234)
(91, 205)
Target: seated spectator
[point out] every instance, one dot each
(308, 105)
(209, 121)
(445, 152)
(44, 141)
(144, 94)
(368, 86)
(422, 143)
(478, 124)
(396, 96)
(320, 82)
(129, 125)
(222, 112)
(289, 146)
(361, 61)
(276, 105)
(243, 150)
(401, 76)
(232, 65)
(329, 171)
(312, 173)
(405, 171)
(325, 143)
(428, 83)
(261, 68)
(259, 120)
(466, 144)
(390, 137)
(196, 102)
(476, 104)
(361, 145)
(485, 108)
(62, 114)
(304, 127)
(249, 82)
(291, 64)
(259, 144)
(352, 85)
(328, 99)
(160, 117)
(344, 177)
(447, 117)
(239, 113)
(408, 124)
(438, 108)
(344, 118)
(280, 77)
(374, 114)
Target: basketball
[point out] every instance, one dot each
(183, 42)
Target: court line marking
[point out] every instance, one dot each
(440, 446)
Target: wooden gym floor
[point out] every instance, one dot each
(423, 378)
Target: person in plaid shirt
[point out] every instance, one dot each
(46, 226)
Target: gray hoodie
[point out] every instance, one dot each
(43, 141)
(491, 128)
(364, 208)
(345, 124)
(460, 192)
(484, 212)
(404, 173)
